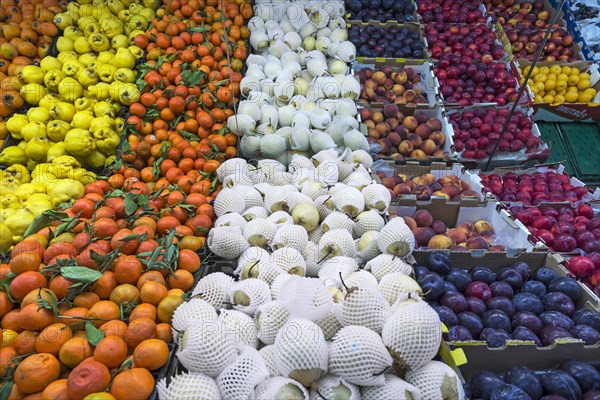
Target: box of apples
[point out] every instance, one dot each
(477, 129)
(392, 82)
(496, 301)
(538, 186)
(406, 133)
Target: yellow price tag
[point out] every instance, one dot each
(459, 357)
(444, 328)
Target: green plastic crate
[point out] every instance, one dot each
(583, 146)
(553, 138)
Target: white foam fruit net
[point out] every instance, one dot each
(229, 201)
(268, 270)
(270, 317)
(242, 326)
(368, 221)
(230, 219)
(214, 289)
(290, 260)
(334, 387)
(305, 298)
(268, 355)
(330, 324)
(257, 290)
(337, 242)
(207, 348)
(331, 268)
(311, 257)
(358, 355)
(360, 278)
(249, 257)
(436, 380)
(277, 387)
(393, 286)
(227, 242)
(413, 333)
(260, 232)
(364, 306)
(188, 386)
(195, 310)
(385, 264)
(293, 236)
(239, 379)
(277, 284)
(337, 220)
(366, 247)
(300, 346)
(393, 389)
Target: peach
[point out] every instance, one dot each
(459, 247)
(421, 116)
(440, 242)
(365, 114)
(379, 77)
(423, 131)
(439, 227)
(393, 123)
(453, 190)
(405, 148)
(402, 188)
(434, 124)
(429, 178)
(415, 140)
(394, 138)
(390, 110)
(410, 123)
(422, 192)
(438, 137)
(398, 90)
(403, 177)
(439, 193)
(468, 228)
(377, 117)
(403, 132)
(477, 242)
(423, 218)
(498, 248)
(456, 234)
(410, 95)
(397, 157)
(373, 133)
(419, 154)
(423, 235)
(382, 128)
(399, 77)
(469, 193)
(387, 182)
(428, 146)
(410, 223)
(386, 145)
(483, 226)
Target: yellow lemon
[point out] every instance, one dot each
(584, 98)
(551, 93)
(555, 69)
(552, 77)
(561, 92)
(544, 70)
(566, 70)
(538, 99)
(560, 85)
(562, 77)
(573, 80)
(583, 84)
(574, 71)
(590, 91)
(539, 87)
(584, 75)
(550, 85)
(548, 98)
(558, 99)
(572, 89)
(540, 78)
(571, 97)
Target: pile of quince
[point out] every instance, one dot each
(26, 195)
(558, 84)
(78, 94)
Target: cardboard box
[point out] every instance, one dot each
(425, 70)
(437, 112)
(508, 232)
(386, 25)
(566, 112)
(505, 158)
(556, 168)
(437, 169)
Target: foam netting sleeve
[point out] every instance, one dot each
(252, 197)
(257, 290)
(396, 238)
(188, 386)
(293, 236)
(270, 317)
(229, 201)
(371, 250)
(393, 389)
(268, 355)
(331, 268)
(232, 166)
(259, 232)
(311, 257)
(393, 286)
(242, 325)
(337, 220)
(230, 219)
(239, 379)
(337, 242)
(300, 345)
(330, 324)
(277, 284)
(436, 380)
(368, 221)
(214, 289)
(328, 386)
(364, 306)
(361, 278)
(207, 348)
(249, 257)
(194, 310)
(255, 212)
(269, 388)
(305, 298)
(289, 259)
(227, 242)
(413, 333)
(377, 197)
(358, 355)
(385, 264)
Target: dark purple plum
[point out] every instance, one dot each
(459, 278)
(556, 318)
(501, 303)
(523, 269)
(528, 302)
(587, 317)
(545, 275)
(591, 395)
(420, 271)
(432, 285)
(454, 301)
(449, 287)
(535, 287)
(483, 274)
(558, 301)
(522, 333)
(476, 306)
(553, 397)
(526, 379)
(561, 383)
(510, 276)
(586, 376)
(509, 392)
(472, 322)
(497, 339)
(586, 333)
(566, 285)
(550, 333)
(447, 316)
(484, 383)
(478, 289)
(497, 319)
(458, 333)
(528, 320)
(502, 289)
(439, 262)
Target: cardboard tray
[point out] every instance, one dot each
(438, 170)
(506, 159)
(556, 167)
(437, 112)
(565, 112)
(413, 28)
(432, 85)
(509, 232)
